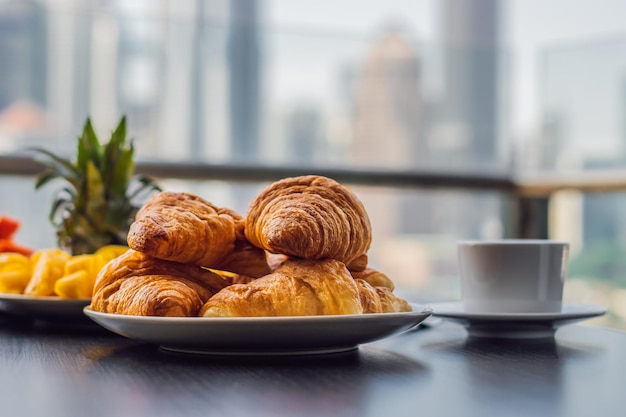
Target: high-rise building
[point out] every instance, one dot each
(466, 129)
(388, 119)
(303, 133)
(469, 110)
(584, 135)
(388, 105)
(23, 67)
(395, 126)
(23, 52)
(244, 64)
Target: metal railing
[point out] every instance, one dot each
(27, 166)
(529, 196)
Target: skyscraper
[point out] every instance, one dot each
(388, 118)
(244, 70)
(23, 52)
(470, 38)
(303, 133)
(388, 106)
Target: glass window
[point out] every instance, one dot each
(512, 88)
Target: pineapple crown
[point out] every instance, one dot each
(101, 195)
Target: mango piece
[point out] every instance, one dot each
(11, 260)
(13, 282)
(48, 267)
(15, 271)
(89, 263)
(54, 272)
(110, 252)
(75, 285)
(80, 273)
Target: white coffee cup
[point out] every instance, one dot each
(512, 275)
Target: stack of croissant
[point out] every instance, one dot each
(300, 250)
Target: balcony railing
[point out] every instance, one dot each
(526, 216)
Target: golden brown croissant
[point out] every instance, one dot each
(245, 259)
(374, 278)
(184, 228)
(380, 299)
(274, 260)
(358, 264)
(310, 217)
(138, 284)
(232, 278)
(296, 288)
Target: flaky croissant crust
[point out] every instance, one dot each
(296, 288)
(374, 278)
(139, 284)
(309, 217)
(301, 250)
(304, 288)
(185, 228)
(380, 299)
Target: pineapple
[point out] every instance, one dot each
(101, 196)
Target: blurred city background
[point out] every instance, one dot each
(513, 87)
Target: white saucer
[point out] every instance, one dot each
(514, 325)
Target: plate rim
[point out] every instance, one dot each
(580, 310)
(52, 309)
(424, 310)
(174, 336)
(51, 299)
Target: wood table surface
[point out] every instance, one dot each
(66, 371)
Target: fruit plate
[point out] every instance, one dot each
(294, 335)
(44, 308)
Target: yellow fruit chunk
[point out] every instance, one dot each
(79, 276)
(110, 252)
(14, 272)
(13, 282)
(48, 267)
(74, 285)
(10, 260)
(89, 263)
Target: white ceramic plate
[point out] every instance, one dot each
(515, 325)
(261, 335)
(44, 308)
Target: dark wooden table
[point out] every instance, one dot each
(50, 371)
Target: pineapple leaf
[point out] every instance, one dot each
(62, 206)
(116, 216)
(102, 196)
(95, 205)
(142, 185)
(89, 148)
(60, 168)
(45, 178)
(118, 138)
(122, 173)
(112, 151)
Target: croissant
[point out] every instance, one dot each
(310, 217)
(296, 288)
(232, 278)
(358, 264)
(374, 278)
(245, 259)
(184, 228)
(380, 299)
(138, 284)
(275, 260)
